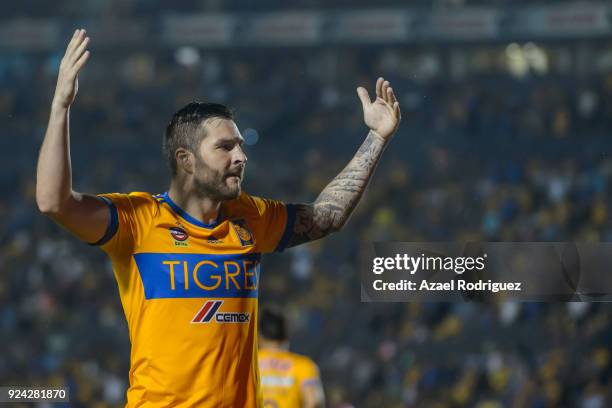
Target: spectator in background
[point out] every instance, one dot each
(288, 380)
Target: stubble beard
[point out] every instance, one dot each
(209, 183)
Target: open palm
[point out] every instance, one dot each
(74, 59)
(383, 115)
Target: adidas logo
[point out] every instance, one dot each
(213, 240)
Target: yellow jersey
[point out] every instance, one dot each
(189, 293)
(283, 377)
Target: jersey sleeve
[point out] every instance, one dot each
(308, 374)
(130, 218)
(273, 223)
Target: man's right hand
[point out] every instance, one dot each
(74, 59)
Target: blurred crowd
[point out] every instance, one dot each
(139, 8)
(483, 156)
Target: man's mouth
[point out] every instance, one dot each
(236, 173)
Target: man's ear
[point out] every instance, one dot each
(184, 160)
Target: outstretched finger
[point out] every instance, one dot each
(78, 53)
(74, 36)
(396, 110)
(379, 84)
(364, 97)
(385, 86)
(75, 41)
(391, 99)
(81, 61)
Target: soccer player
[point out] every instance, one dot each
(187, 261)
(288, 380)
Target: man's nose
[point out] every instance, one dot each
(240, 156)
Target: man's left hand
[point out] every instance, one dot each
(383, 115)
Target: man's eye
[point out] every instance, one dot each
(227, 147)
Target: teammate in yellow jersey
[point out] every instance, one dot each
(288, 380)
(187, 261)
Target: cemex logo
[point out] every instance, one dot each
(210, 312)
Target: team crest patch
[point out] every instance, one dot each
(244, 234)
(178, 234)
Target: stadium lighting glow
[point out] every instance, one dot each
(515, 60)
(536, 57)
(251, 136)
(187, 56)
(521, 60)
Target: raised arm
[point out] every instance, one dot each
(334, 205)
(84, 215)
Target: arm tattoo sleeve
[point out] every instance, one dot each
(334, 205)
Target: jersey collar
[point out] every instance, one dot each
(183, 214)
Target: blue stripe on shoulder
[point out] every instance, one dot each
(288, 228)
(113, 223)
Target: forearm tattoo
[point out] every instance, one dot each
(337, 201)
